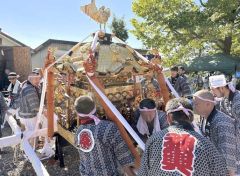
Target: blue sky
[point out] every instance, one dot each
(34, 21)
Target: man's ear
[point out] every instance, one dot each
(223, 89)
(169, 119)
(220, 89)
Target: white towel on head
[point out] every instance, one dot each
(143, 128)
(15, 88)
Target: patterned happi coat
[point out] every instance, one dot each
(220, 129)
(179, 150)
(181, 86)
(162, 122)
(231, 107)
(101, 149)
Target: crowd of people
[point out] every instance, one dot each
(23, 100)
(175, 143)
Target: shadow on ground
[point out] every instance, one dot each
(22, 167)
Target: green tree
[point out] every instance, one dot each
(186, 28)
(118, 27)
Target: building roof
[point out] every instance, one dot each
(11, 38)
(66, 42)
(50, 41)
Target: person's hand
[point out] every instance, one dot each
(8, 113)
(129, 171)
(45, 112)
(139, 150)
(232, 173)
(22, 126)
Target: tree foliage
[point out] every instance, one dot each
(118, 27)
(188, 28)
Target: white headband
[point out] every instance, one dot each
(144, 109)
(181, 108)
(13, 76)
(91, 115)
(204, 99)
(34, 76)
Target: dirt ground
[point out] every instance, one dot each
(22, 167)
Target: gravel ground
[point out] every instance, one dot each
(22, 167)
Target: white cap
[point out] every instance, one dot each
(217, 81)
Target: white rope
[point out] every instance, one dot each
(174, 92)
(94, 42)
(147, 61)
(139, 55)
(118, 115)
(16, 139)
(10, 140)
(36, 163)
(44, 88)
(113, 108)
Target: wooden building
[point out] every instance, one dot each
(14, 56)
